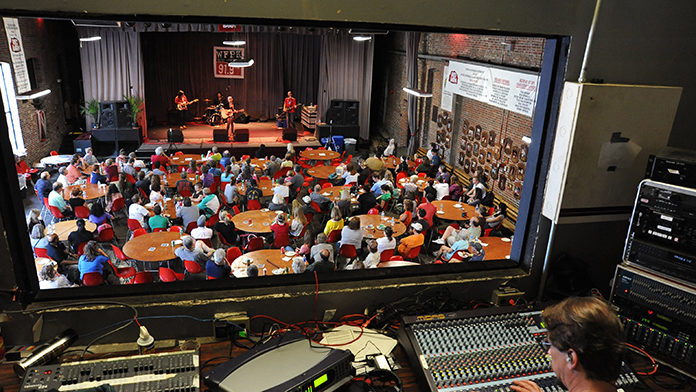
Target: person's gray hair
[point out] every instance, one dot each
(61, 170)
(158, 151)
(345, 194)
(219, 256)
(317, 188)
(298, 265)
(321, 238)
(188, 242)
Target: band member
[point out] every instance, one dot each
(181, 103)
(220, 101)
(228, 115)
(289, 108)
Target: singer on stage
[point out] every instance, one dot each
(181, 103)
(289, 105)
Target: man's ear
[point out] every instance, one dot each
(572, 359)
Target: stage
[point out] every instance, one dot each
(198, 138)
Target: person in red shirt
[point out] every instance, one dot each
(181, 103)
(23, 168)
(429, 208)
(289, 108)
(160, 157)
(281, 232)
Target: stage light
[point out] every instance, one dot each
(34, 95)
(241, 64)
(526, 139)
(90, 39)
(361, 38)
(419, 94)
(234, 43)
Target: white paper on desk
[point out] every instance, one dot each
(371, 341)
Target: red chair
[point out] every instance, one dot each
(54, 153)
(396, 258)
(81, 212)
(315, 206)
(192, 267)
(134, 224)
(326, 185)
(223, 240)
(264, 178)
(232, 253)
(399, 176)
(334, 236)
(212, 220)
(119, 253)
(244, 157)
(176, 229)
(373, 211)
(123, 272)
(130, 178)
(143, 194)
(81, 248)
(215, 184)
(92, 279)
(168, 275)
(253, 205)
(139, 232)
(179, 153)
(191, 226)
(348, 251)
(350, 157)
(142, 277)
(413, 253)
(185, 193)
(158, 229)
(422, 175)
(56, 213)
(208, 242)
(41, 252)
(235, 209)
(118, 205)
(255, 243)
(386, 255)
(106, 235)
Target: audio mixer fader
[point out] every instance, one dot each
(483, 350)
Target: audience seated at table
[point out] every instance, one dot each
(470, 231)
(76, 199)
(80, 235)
(429, 209)
(335, 222)
(352, 234)
(96, 177)
(43, 185)
(157, 221)
(210, 204)
(73, 173)
(201, 232)
(459, 242)
(197, 195)
(214, 155)
(157, 169)
(67, 261)
(414, 240)
(281, 232)
(97, 215)
(477, 193)
(160, 157)
(497, 218)
(407, 216)
(367, 200)
(387, 241)
(384, 196)
(121, 159)
(319, 247)
(129, 168)
(95, 260)
(55, 199)
(278, 204)
(89, 158)
(227, 176)
(299, 221)
(187, 212)
(110, 169)
(24, 169)
(49, 278)
(112, 194)
(218, 267)
(226, 229)
(226, 158)
(184, 187)
(137, 211)
(323, 263)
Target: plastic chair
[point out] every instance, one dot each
(334, 236)
(192, 267)
(143, 194)
(422, 175)
(413, 253)
(130, 178)
(255, 243)
(283, 171)
(235, 209)
(253, 205)
(232, 253)
(386, 255)
(168, 275)
(54, 153)
(118, 205)
(176, 229)
(223, 240)
(139, 232)
(158, 229)
(56, 213)
(373, 211)
(119, 253)
(41, 252)
(123, 272)
(142, 277)
(81, 248)
(326, 185)
(348, 251)
(81, 212)
(92, 279)
(315, 206)
(134, 224)
(191, 226)
(179, 153)
(106, 235)
(396, 258)
(212, 220)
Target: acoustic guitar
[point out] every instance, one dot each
(227, 113)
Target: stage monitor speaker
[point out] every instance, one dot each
(290, 134)
(241, 135)
(114, 114)
(220, 135)
(175, 135)
(337, 115)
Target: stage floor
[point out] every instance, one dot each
(198, 138)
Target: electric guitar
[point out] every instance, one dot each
(184, 105)
(227, 113)
(287, 109)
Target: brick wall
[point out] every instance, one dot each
(41, 41)
(523, 52)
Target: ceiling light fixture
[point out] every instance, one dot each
(234, 43)
(420, 94)
(526, 139)
(241, 64)
(361, 38)
(90, 39)
(34, 95)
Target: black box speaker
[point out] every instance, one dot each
(352, 131)
(351, 116)
(290, 134)
(175, 135)
(82, 143)
(220, 135)
(337, 115)
(241, 135)
(114, 114)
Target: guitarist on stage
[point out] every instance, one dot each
(182, 103)
(289, 105)
(228, 115)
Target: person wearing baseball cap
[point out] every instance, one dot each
(412, 241)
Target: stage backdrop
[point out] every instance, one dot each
(184, 61)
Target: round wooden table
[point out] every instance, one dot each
(169, 210)
(259, 162)
(254, 221)
(319, 155)
(452, 210)
(271, 259)
(169, 181)
(334, 192)
(93, 191)
(421, 182)
(139, 248)
(321, 172)
(496, 248)
(185, 159)
(64, 228)
(393, 163)
(56, 160)
(266, 187)
(376, 220)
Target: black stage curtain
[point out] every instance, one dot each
(184, 61)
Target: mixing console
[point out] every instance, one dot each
(482, 350)
(165, 372)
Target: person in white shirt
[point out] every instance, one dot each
(201, 232)
(281, 189)
(137, 211)
(441, 188)
(137, 162)
(373, 257)
(49, 278)
(387, 242)
(389, 151)
(230, 192)
(89, 157)
(156, 194)
(61, 177)
(352, 234)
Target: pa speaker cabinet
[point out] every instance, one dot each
(289, 134)
(220, 135)
(175, 135)
(82, 143)
(114, 114)
(335, 115)
(241, 135)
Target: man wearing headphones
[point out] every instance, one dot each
(585, 342)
